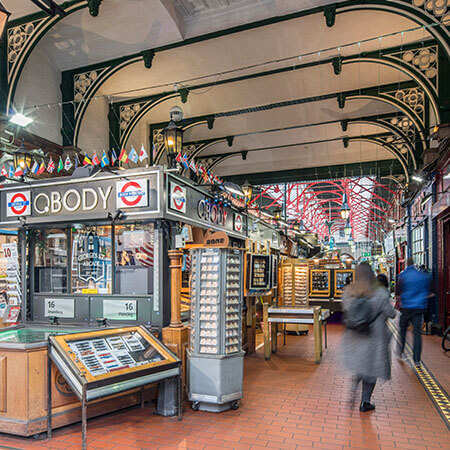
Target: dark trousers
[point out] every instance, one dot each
(368, 385)
(415, 316)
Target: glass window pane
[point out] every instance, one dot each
(134, 259)
(91, 260)
(50, 254)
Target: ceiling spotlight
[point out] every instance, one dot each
(417, 178)
(21, 120)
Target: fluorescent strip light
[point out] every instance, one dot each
(417, 178)
(21, 120)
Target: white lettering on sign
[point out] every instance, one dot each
(212, 213)
(72, 200)
(60, 307)
(132, 194)
(119, 309)
(18, 204)
(177, 199)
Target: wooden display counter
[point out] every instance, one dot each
(23, 386)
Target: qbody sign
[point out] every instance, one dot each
(89, 198)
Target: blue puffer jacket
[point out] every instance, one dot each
(413, 287)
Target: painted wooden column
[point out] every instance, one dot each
(176, 335)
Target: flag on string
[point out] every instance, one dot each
(154, 151)
(95, 159)
(133, 155)
(179, 158)
(68, 163)
(143, 153)
(11, 171)
(123, 157)
(76, 162)
(4, 172)
(105, 160)
(113, 156)
(24, 166)
(51, 165)
(193, 167)
(60, 165)
(86, 160)
(185, 161)
(18, 172)
(35, 167)
(41, 168)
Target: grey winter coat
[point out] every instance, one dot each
(369, 355)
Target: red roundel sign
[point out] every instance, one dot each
(18, 204)
(177, 198)
(237, 222)
(132, 194)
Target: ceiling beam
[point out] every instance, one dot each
(372, 168)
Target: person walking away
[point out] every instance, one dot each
(365, 345)
(382, 279)
(413, 288)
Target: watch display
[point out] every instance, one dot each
(320, 280)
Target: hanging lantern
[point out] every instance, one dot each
(173, 141)
(277, 213)
(345, 209)
(247, 189)
(347, 228)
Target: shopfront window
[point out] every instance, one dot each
(50, 261)
(418, 245)
(91, 260)
(134, 259)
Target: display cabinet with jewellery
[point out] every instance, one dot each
(215, 356)
(97, 364)
(319, 283)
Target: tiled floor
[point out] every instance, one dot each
(290, 402)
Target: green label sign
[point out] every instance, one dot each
(365, 254)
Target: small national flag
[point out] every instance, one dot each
(25, 168)
(76, 161)
(179, 158)
(41, 168)
(68, 163)
(11, 171)
(51, 165)
(154, 151)
(86, 160)
(4, 172)
(113, 156)
(193, 167)
(143, 153)
(60, 165)
(35, 167)
(123, 157)
(18, 172)
(95, 159)
(185, 161)
(133, 155)
(105, 160)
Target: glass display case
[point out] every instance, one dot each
(319, 283)
(295, 282)
(215, 348)
(260, 276)
(342, 278)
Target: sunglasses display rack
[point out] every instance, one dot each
(295, 282)
(215, 324)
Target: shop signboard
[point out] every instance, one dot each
(177, 197)
(238, 222)
(78, 199)
(120, 309)
(60, 307)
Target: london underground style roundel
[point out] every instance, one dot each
(18, 204)
(237, 222)
(177, 199)
(132, 193)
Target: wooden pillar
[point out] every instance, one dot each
(266, 329)
(176, 335)
(251, 325)
(317, 334)
(175, 288)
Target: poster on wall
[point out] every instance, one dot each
(10, 283)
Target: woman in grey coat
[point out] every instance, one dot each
(368, 355)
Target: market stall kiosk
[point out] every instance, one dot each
(94, 251)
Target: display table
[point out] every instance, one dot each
(314, 316)
(23, 384)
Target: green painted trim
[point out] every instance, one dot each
(444, 87)
(381, 168)
(3, 71)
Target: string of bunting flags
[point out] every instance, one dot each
(206, 175)
(38, 167)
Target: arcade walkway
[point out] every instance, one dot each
(290, 403)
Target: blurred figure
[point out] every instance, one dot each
(366, 346)
(382, 279)
(413, 289)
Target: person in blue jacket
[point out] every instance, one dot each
(413, 288)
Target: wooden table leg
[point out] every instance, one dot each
(274, 334)
(317, 335)
(266, 330)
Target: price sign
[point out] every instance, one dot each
(120, 309)
(10, 253)
(60, 307)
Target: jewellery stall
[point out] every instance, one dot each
(93, 252)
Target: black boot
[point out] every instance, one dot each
(366, 406)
